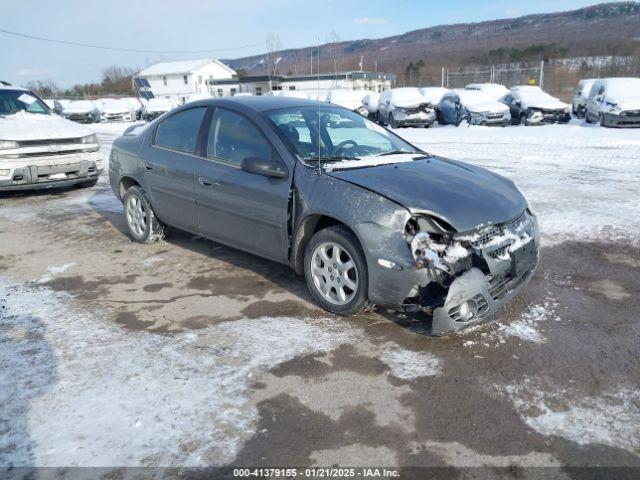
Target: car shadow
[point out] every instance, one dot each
(282, 276)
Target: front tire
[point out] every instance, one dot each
(336, 271)
(141, 220)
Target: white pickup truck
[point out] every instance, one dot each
(39, 149)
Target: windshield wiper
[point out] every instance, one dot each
(336, 158)
(397, 152)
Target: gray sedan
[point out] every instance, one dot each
(366, 217)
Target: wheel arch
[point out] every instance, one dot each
(307, 228)
(125, 183)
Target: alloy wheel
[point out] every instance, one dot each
(136, 216)
(334, 273)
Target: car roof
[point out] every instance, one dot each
(262, 103)
(11, 87)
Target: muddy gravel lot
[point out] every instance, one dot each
(189, 353)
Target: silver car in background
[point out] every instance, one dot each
(580, 97)
(405, 107)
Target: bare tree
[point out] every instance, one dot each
(44, 88)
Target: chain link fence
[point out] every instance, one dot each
(509, 75)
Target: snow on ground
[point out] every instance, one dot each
(583, 181)
(410, 365)
(76, 390)
(609, 419)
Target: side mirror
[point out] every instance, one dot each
(263, 166)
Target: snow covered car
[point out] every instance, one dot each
(493, 90)
(156, 107)
(367, 217)
(54, 105)
(39, 149)
(371, 101)
(615, 102)
(288, 93)
(136, 104)
(530, 105)
(473, 106)
(118, 111)
(405, 107)
(580, 97)
(351, 99)
(82, 111)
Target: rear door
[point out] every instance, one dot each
(238, 208)
(169, 168)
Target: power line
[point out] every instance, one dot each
(130, 50)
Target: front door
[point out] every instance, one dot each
(235, 207)
(169, 166)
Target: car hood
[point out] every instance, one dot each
(463, 195)
(113, 110)
(409, 103)
(545, 104)
(627, 103)
(30, 126)
(489, 106)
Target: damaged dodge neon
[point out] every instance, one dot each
(366, 217)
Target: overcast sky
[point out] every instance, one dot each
(216, 26)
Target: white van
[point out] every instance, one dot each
(615, 102)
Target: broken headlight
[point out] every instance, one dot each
(432, 245)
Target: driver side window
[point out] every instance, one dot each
(233, 137)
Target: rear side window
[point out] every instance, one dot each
(180, 131)
(233, 137)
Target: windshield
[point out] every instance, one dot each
(344, 135)
(14, 101)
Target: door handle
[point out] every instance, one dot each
(148, 166)
(206, 182)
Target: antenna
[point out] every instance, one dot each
(318, 96)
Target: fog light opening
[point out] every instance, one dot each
(468, 310)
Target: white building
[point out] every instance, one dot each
(313, 85)
(177, 80)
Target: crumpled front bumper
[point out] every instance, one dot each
(422, 118)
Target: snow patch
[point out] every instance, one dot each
(62, 406)
(409, 365)
(612, 418)
(54, 271)
(527, 327)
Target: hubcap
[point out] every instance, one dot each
(334, 273)
(136, 216)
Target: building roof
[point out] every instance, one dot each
(186, 66)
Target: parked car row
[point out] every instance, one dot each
(613, 102)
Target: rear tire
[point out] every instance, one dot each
(336, 249)
(142, 224)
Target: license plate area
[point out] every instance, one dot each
(523, 259)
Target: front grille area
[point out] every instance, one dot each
(49, 141)
(51, 154)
